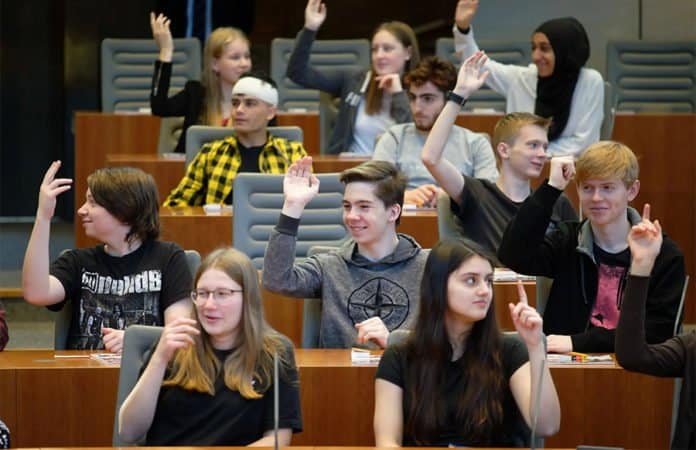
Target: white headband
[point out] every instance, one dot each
(256, 88)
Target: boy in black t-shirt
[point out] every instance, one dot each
(131, 272)
(589, 261)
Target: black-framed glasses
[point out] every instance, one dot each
(220, 296)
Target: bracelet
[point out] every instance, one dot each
(458, 99)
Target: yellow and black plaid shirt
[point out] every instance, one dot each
(210, 175)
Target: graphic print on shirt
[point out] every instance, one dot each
(605, 312)
(379, 297)
(116, 303)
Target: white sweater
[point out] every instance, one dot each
(518, 84)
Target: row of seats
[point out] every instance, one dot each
(646, 75)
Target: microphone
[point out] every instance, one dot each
(275, 400)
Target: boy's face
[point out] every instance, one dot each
(604, 201)
(251, 115)
(527, 155)
(365, 215)
(426, 102)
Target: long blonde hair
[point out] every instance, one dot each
(249, 368)
(214, 46)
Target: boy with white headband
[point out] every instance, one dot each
(210, 175)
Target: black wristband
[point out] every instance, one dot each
(458, 99)
(463, 30)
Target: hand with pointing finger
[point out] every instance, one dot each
(526, 319)
(645, 242)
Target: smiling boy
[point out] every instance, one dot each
(589, 260)
(370, 285)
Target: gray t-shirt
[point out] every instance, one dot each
(486, 211)
(470, 152)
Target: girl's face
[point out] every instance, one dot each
(388, 53)
(470, 290)
(219, 304)
(234, 61)
(542, 55)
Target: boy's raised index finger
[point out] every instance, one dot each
(51, 172)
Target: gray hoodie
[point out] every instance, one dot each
(351, 287)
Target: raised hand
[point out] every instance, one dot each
(175, 335)
(645, 241)
(471, 74)
(373, 329)
(562, 170)
(464, 13)
(51, 188)
(315, 14)
(300, 186)
(390, 82)
(162, 36)
(526, 319)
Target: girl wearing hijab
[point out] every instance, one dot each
(555, 86)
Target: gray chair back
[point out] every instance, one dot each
(506, 52)
(127, 66)
(448, 225)
(337, 55)
(258, 199)
(137, 342)
(397, 336)
(170, 131)
(198, 135)
(193, 260)
(607, 128)
(653, 75)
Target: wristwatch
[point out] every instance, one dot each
(458, 99)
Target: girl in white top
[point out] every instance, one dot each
(556, 85)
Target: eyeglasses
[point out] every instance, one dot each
(220, 296)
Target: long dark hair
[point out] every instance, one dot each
(479, 408)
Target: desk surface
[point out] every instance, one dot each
(72, 402)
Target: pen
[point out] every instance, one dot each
(578, 356)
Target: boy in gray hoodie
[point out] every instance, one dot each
(370, 285)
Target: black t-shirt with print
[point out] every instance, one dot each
(114, 292)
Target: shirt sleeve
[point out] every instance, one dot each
(191, 189)
(514, 354)
(385, 149)
(390, 368)
(160, 103)
(632, 350)
(66, 269)
(177, 281)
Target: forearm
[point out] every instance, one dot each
(594, 340)
(280, 273)
(549, 408)
(36, 281)
(138, 410)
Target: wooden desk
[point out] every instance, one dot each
(664, 143)
(48, 402)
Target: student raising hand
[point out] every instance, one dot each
(526, 319)
(315, 14)
(645, 242)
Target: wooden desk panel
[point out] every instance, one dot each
(72, 402)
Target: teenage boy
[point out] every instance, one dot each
(589, 261)
(470, 152)
(482, 207)
(369, 286)
(210, 175)
(131, 278)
